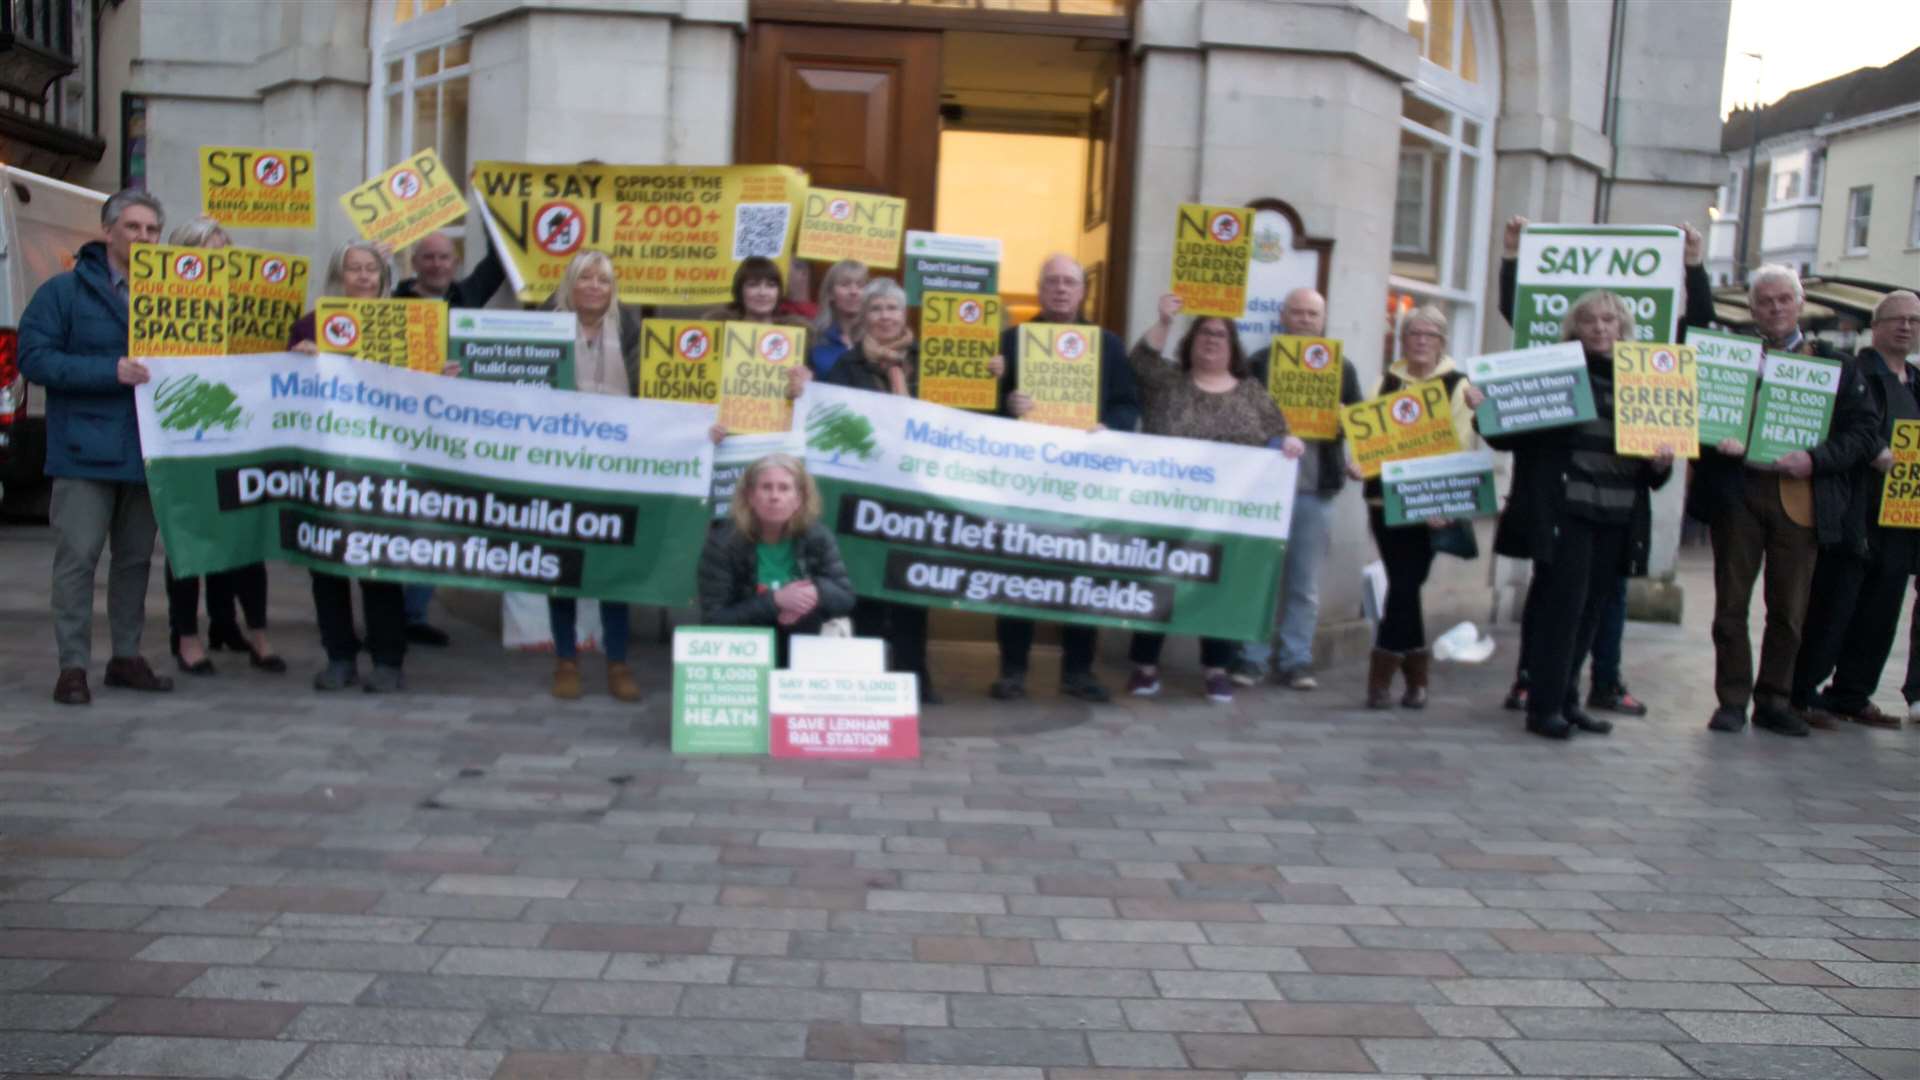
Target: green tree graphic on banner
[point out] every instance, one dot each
(839, 430)
(188, 403)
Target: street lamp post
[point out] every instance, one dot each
(1746, 184)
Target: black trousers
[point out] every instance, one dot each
(1407, 552)
(384, 607)
(245, 584)
(1571, 593)
(1853, 611)
(1911, 690)
(1145, 648)
(1016, 645)
(902, 626)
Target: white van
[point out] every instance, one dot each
(43, 222)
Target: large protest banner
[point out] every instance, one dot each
(1794, 406)
(177, 301)
(371, 471)
(1532, 389)
(1303, 375)
(959, 336)
(675, 233)
(954, 509)
(258, 188)
(406, 202)
(267, 292)
(1656, 400)
(1644, 265)
(1413, 421)
(839, 225)
(1900, 490)
(1728, 366)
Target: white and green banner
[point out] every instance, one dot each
(736, 452)
(1533, 389)
(378, 472)
(1446, 486)
(947, 508)
(1728, 366)
(532, 348)
(1793, 408)
(1644, 265)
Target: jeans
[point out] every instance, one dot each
(415, 601)
(86, 515)
(1309, 538)
(615, 619)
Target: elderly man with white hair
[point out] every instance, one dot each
(1855, 603)
(1776, 518)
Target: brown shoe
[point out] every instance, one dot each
(71, 687)
(620, 683)
(566, 679)
(1414, 666)
(1871, 716)
(1817, 717)
(132, 673)
(1380, 669)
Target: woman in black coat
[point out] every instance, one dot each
(771, 562)
(1583, 514)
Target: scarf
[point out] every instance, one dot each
(888, 358)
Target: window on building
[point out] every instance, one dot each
(1730, 205)
(1913, 228)
(1786, 185)
(1816, 173)
(1444, 190)
(418, 97)
(1859, 209)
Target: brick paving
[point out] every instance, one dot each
(247, 879)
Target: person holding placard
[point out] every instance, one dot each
(1210, 395)
(1303, 313)
(884, 360)
(73, 342)
(1062, 289)
(1584, 515)
(605, 361)
(1775, 518)
(358, 271)
(771, 562)
(840, 293)
(1853, 608)
(758, 290)
(245, 584)
(1407, 551)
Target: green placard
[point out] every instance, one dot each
(1532, 389)
(1793, 407)
(530, 348)
(954, 264)
(1728, 366)
(1451, 486)
(720, 689)
(1557, 264)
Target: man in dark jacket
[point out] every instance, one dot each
(434, 265)
(73, 340)
(1323, 473)
(1778, 517)
(1063, 292)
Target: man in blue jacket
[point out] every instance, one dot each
(73, 340)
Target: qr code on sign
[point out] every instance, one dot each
(760, 229)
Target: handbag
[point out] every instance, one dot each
(1457, 540)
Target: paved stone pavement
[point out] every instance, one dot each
(246, 879)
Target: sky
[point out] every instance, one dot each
(1804, 42)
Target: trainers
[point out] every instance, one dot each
(1008, 688)
(1220, 689)
(1084, 687)
(1727, 718)
(1297, 679)
(1616, 699)
(1143, 684)
(337, 675)
(1516, 698)
(1549, 726)
(1779, 720)
(384, 680)
(1584, 721)
(1246, 673)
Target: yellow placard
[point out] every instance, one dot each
(177, 301)
(754, 361)
(1900, 491)
(1656, 400)
(406, 202)
(267, 291)
(837, 225)
(1212, 249)
(680, 361)
(1060, 371)
(959, 334)
(675, 233)
(257, 187)
(1413, 421)
(1303, 375)
(398, 333)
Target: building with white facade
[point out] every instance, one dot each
(1400, 133)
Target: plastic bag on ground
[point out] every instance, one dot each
(1463, 645)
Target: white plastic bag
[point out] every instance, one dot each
(1463, 645)
(524, 624)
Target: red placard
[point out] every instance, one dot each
(843, 716)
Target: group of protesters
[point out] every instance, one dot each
(1577, 509)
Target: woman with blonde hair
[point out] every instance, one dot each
(245, 584)
(840, 292)
(771, 562)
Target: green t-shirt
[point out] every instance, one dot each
(777, 565)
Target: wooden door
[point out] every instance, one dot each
(857, 109)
